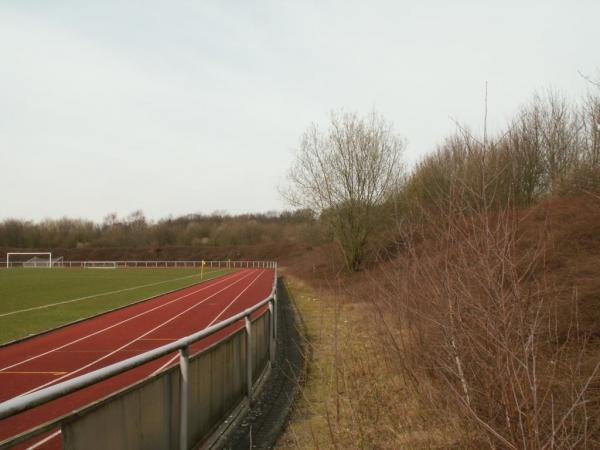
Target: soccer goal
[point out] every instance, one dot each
(29, 259)
(99, 264)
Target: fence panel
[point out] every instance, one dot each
(216, 385)
(260, 345)
(142, 417)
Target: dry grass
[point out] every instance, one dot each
(354, 395)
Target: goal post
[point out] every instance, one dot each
(34, 261)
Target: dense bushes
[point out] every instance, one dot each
(494, 323)
(487, 290)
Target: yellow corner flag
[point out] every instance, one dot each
(202, 269)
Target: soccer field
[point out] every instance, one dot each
(35, 300)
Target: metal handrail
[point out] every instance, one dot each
(33, 399)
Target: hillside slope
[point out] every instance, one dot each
(482, 331)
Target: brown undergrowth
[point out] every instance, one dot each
(483, 332)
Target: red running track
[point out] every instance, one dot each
(108, 338)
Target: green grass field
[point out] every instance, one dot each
(27, 296)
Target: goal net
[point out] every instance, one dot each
(100, 264)
(29, 259)
(58, 262)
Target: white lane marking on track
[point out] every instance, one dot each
(165, 365)
(56, 380)
(43, 441)
(218, 281)
(170, 361)
(87, 297)
(234, 300)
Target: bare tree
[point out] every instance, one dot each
(344, 174)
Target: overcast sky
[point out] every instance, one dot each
(176, 107)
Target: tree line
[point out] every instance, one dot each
(135, 230)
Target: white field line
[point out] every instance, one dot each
(219, 281)
(171, 319)
(43, 441)
(170, 361)
(87, 297)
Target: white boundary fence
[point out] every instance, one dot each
(180, 407)
(157, 264)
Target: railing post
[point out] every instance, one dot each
(249, 358)
(271, 332)
(275, 316)
(184, 364)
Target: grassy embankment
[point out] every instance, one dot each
(26, 294)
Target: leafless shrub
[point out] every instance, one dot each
(344, 174)
(551, 147)
(486, 325)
